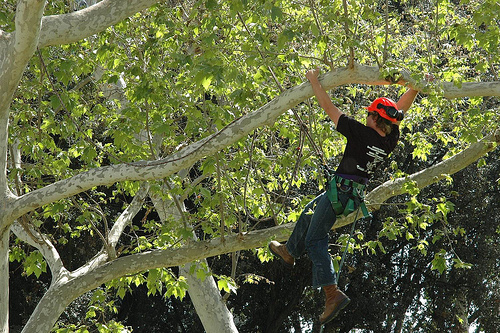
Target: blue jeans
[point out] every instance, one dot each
(311, 235)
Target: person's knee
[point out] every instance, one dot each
(316, 245)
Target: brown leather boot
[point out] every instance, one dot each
(280, 251)
(336, 300)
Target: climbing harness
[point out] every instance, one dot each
(355, 191)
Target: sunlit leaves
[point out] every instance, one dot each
(439, 261)
(443, 261)
(444, 208)
(35, 264)
(226, 284)
(157, 281)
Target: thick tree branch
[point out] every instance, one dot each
(28, 19)
(471, 89)
(45, 247)
(127, 215)
(17, 49)
(75, 26)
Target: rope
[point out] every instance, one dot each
(348, 243)
(319, 152)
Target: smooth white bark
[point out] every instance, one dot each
(73, 27)
(63, 289)
(208, 302)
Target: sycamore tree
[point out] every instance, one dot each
(114, 114)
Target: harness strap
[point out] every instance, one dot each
(357, 196)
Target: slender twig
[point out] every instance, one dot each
(266, 194)
(492, 67)
(245, 186)
(315, 15)
(221, 201)
(326, 55)
(386, 42)
(98, 211)
(436, 19)
(177, 203)
(40, 94)
(433, 36)
(347, 32)
(148, 133)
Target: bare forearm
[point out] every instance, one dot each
(406, 100)
(324, 100)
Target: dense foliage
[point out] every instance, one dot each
(182, 70)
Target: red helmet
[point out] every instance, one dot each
(387, 109)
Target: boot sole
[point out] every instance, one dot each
(336, 312)
(281, 258)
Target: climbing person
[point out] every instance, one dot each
(367, 145)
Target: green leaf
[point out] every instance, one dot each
(201, 274)
(264, 254)
(445, 207)
(439, 261)
(211, 4)
(89, 153)
(121, 292)
(16, 254)
(206, 81)
(35, 264)
(276, 13)
(153, 281)
(411, 187)
(223, 285)
(226, 283)
(208, 166)
(460, 264)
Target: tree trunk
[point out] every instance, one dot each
(4, 281)
(204, 293)
(208, 303)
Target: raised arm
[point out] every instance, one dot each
(408, 97)
(323, 99)
(406, 100)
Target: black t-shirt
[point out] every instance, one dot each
(365, 148)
